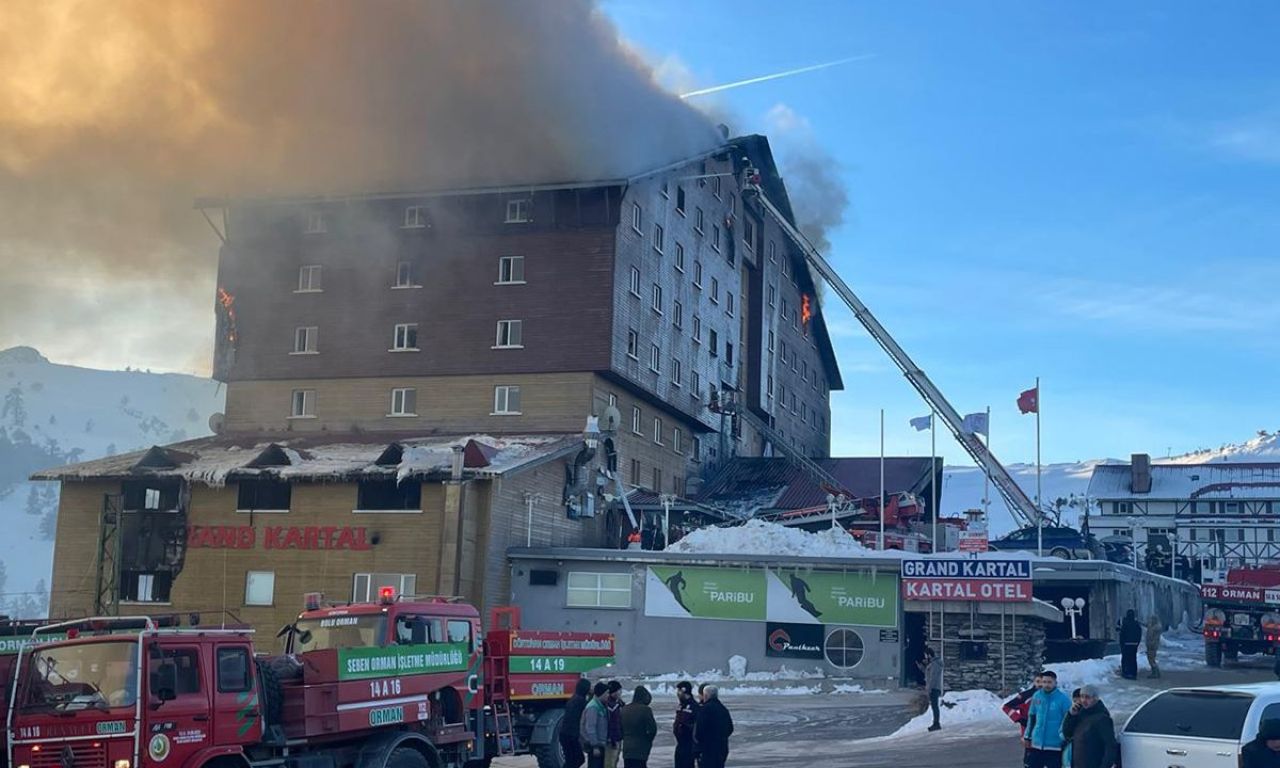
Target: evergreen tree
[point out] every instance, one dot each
(35, 504)
(14, 408)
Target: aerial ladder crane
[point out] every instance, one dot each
(1020, 505)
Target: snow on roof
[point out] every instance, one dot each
(1220, 480)
(216, 460)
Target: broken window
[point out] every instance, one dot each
(389, 495)
(263, 494)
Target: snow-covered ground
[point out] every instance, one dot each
(53, 414)
(978, 712)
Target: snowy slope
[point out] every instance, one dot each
(1067, 484)
(53, 414)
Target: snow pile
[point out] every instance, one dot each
(976, 712)
(737, 667)
(756, 537)
(728, 692)
(1264, 447)
(718, 675)
(845, 688)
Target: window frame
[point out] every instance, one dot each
(506, 390)
(306, 340)
(657, 431)
(677, 315)
(408, 330)
(308, 410)
(677, 372)
(637, 218)
(519, 210)
(315, 278)
(405, 276)
(248, 577)
(414, 217)
(659, 238)
(655, 299)
(634, 284)
(513, 338)
(637, 420)
(599, 589)
(225, 651)
(655, 358)
(633, 344)
(679, 257)
(403, 411)
(370, 590)
(316, 224)
(508, 264)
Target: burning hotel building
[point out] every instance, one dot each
(408, 377)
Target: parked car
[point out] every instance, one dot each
(1059, 541)
(1197, 727)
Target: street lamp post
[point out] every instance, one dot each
(1135, 531)
(667, 500)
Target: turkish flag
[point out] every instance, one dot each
(1029, 401)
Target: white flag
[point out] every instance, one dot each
(977, 423)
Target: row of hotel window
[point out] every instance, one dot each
(311, 276)
(404, 402)
(260, 587)
(1260, 507)
(1224, 534)
(509, 334)
(518, 211)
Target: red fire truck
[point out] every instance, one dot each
(1242, 615)
(401, 683)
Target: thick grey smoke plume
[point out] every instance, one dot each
(113, 118)
(818, 197)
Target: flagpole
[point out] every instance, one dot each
(1039, 500)
(933, 471)
(882, 505)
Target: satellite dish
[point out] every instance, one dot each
(216, 422)
(611, 419)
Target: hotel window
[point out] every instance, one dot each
(598, 590)
(415, 217)
(655, 301)
(635, 282)
(679, 257)
(405, 338)
(655, 358)
(635, 472)
(404, 401)
(259, 588)
(728, 354)
(713, 340)
(404, 275)
(715, 237)
(677, 441)
(697, 329)
(510, 334)
(636, 217)
(304, 404)
(263, 494)
(728, 302)
(695, 384)
(657, 430)
(697, 220)
(679, 199)
(664, 190)
(510, 270)
(769, 386)
(695, 448)
(786, 268)
(316, 225)
(697, 274)
(637, 425)
(773, 296)
(677, 372)
(773, 252)
(785, 310)
(309, 278)
(749, 233)
(677, 314)
(517, 211)
(506, 400)
(144, 587)
(306, 341)
(657, 480)
(715, 186)
(715, 291)
(771, 341)
(658, 242)
(733, 204)
(633, 345)
(365, 589)
(388, 496)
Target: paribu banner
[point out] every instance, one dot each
(365, 663)
(788, 595)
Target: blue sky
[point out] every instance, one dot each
(1088, 194)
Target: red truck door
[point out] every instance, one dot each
(237, 710)
(179, 726)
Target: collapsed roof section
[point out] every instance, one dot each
(215, 461)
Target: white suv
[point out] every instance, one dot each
(1197, 727)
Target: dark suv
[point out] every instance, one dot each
(1059, 541)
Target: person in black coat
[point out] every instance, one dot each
(1091, 731)
(1130, 639)
(1264, 751)
(571, 725)
(682, 728)
(712, 730)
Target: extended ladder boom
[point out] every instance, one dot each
(1019, 503)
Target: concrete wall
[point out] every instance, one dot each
(654, 645)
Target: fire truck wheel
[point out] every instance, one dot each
(271, 694)
(550, 755)
(1213, 654)
(406, 757)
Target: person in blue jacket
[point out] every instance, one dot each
(1043, 738)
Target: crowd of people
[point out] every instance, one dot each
(1060, 731)
(599, 729)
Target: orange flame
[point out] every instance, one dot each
(806, 311)
(227, 302)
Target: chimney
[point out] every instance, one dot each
(1140, 473)
(455, 473)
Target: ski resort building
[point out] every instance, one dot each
(418, 380)
(1188, 518)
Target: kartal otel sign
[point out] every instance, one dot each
(994, 581)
